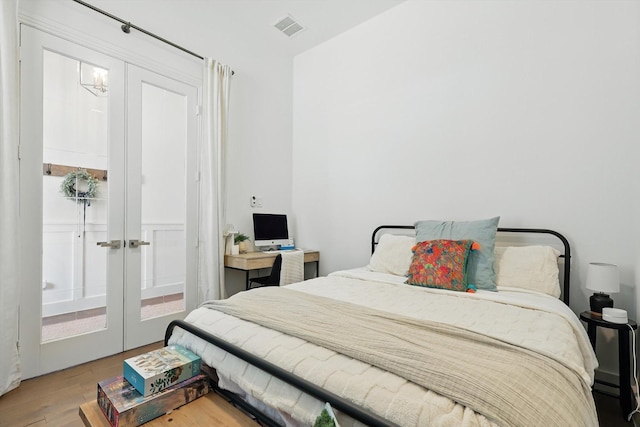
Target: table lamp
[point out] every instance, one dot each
(603, 279)
(229, 234)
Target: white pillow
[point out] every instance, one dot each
(529, 267)
(393, 254)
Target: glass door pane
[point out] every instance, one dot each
(74, 200)
(163, 201)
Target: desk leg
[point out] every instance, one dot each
(625, 375)
(246, 279)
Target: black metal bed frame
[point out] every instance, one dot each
(337, 402)
(303, 385)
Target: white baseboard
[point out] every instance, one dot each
(607, 376)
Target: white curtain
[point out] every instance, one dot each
(217, 84)
(9, 125)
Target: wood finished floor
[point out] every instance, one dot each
(54, 399)
(609, 412)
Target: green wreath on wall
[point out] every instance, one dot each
(68, 186)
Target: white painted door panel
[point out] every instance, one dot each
(161, 201)
(64, 274)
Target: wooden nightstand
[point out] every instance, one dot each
(593, 321)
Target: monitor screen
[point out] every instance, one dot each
(270, 229)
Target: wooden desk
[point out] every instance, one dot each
(257, 260)
(209, 410)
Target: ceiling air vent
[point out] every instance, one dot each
(289, 26)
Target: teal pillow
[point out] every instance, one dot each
(480, 267)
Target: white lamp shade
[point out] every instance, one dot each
(603, 278)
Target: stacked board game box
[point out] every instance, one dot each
(156, 370)
(152, 384)
(124, 406)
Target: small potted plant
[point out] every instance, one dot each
(242, 240)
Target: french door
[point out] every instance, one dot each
(107, 203)
(161, 213)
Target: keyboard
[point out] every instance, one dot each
(279, 251)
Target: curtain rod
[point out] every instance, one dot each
(126, 27)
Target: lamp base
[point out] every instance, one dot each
(598, 301)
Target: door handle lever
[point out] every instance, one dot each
(114, 244)
(136, 243)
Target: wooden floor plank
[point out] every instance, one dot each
(209, 410)
(54, 399)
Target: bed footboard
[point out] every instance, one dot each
(303, 385)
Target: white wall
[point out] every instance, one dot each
(470, 109)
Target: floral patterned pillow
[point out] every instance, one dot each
(440, 264)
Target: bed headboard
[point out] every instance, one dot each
(563, 243)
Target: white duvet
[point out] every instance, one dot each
(535, 321)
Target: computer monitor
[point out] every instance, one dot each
(270, 229)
